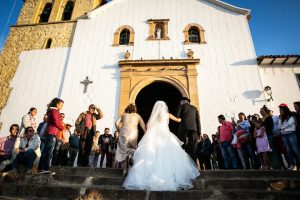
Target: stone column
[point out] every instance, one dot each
(193, 85)
(124, 90)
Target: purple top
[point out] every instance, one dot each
(7, 144)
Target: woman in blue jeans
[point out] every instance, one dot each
(55, 125)
(287, 124)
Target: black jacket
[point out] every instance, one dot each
(204, 148)
(189, 119)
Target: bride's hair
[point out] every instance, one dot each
(130, 108)
(159, 114)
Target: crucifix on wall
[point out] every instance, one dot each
(85, 83)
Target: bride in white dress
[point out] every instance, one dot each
(160, 163)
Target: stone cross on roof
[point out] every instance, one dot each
(86, 82)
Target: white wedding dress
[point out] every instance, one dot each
(160, 163)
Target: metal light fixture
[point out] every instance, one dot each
(268, 91)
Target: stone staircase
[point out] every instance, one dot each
(95, 183)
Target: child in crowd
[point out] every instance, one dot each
(262, 143)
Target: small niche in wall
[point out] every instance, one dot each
(158, 29)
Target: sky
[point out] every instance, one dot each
(274, 24)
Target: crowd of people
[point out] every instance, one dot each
(53, 143)
(262, 141)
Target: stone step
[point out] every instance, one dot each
(261, 183)
(22, 198)
(109, 172)
(74, 193)
(250, 174)
(88, 171)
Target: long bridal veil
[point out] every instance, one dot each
(159, 115)
(159, 161)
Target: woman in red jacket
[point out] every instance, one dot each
(55, 125)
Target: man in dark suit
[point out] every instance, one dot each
(189, 127)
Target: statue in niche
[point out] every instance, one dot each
(159, 31)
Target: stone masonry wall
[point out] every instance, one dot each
(30, 35)
(24, 38)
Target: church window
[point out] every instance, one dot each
(124, 37)
(44, 17)
(67, 14)
(194, 36)
(48, 43)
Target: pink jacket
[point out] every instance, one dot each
(55, 125)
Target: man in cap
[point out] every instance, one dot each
(85, 126)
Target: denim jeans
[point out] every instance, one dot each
(93, 160)
(42, 146)
(73, 153)
(248, 152)
(47, 153)
(25, 158)
(227, 151)
(244, 158)
(291, 144)
(55, 159)
(272, 155)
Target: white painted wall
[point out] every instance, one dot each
(36, 82)
(229, 81)
(282, 80)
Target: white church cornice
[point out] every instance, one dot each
(219, 3)
(230, 7)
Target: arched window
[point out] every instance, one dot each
(48, 43)
(67, 14)
(124, 37)
(44, 17)
(194, 36)
(194, 33)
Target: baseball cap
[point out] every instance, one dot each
(283, 105)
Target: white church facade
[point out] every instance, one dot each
(140, 51)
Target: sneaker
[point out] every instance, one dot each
(41, 171)
(45, 172)
(291, 167)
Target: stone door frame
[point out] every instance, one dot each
(137, 74)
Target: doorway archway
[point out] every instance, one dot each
(156, 91)
(138, 74)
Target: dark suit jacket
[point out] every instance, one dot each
(189, 119)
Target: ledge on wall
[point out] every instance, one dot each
(159, 61)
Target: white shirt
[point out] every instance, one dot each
(287, 126)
